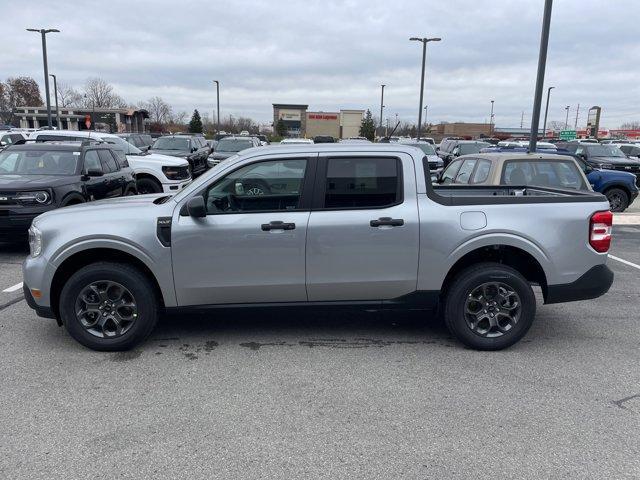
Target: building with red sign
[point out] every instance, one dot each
(323, 123)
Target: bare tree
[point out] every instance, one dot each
(23, 92)
(160, 112)
(68, 96)
(633, 125)
(99, 94)
(555, 125)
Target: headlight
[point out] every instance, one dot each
(40, 197)
(35, 241)
(176, 173)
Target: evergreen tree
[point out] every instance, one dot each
(195, 125)
(281, 128)
(367, 127)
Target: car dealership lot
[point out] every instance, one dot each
(303, 394)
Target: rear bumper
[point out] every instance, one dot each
(593, 284)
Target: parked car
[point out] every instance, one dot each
(608, 157)
(296, 141)
(584, 140)
(154, 173)
(631, 150)
(394, 241)
(263, 140)
(457, 148)
(619, 187)
(435, 162)
(324, 139)
(10, 137)
(355, 140)
(143, 141)
(192, 148)
(39, 177)
(230, 146)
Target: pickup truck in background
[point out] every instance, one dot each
(326, 226)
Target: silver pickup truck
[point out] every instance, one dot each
(319, 226)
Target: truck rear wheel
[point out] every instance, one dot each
(489, 306)
(109, 306)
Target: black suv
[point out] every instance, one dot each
(38, 177)
(609, 157)
(191, 147)
(455, 148)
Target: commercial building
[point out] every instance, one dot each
(116, 120)
(323, 123)
(293, 116)
(301, 123)
(460, 129)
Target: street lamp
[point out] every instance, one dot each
(491, 119)
(43, 32)
(566, 122)
(542, 64)
(217, 104)
(55, 93)
(546, 111)
(424, 57)
(381, 106)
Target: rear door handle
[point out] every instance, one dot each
(277, 226)
(387, 221)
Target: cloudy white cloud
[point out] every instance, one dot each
(334, 54)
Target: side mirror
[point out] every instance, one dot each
(193, 149)
(588, 168)
(94, 172)
(196, 207)
(3, 144)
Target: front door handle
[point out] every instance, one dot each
(277, 226)
(387, 221)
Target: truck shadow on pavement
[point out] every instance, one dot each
(257, 329)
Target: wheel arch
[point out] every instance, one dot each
(72, 198)
(513, 256)
(81, 258)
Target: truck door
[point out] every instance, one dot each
(250, 247)
(362, 239)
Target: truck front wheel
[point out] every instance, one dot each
(489, 306)
(109, 306)
(618, 199)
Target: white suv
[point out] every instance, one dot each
(155, 173)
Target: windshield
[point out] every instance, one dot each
(233, 145)
(171, 143)
(427, 148)
(123, 145)
(38, 162)
(604, 151)
(467, 148)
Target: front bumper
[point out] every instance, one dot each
(45, 312)
(593, 284)
(15, 226)
(175, 187)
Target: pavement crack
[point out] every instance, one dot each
(621, 403)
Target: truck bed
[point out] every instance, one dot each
(479, 194)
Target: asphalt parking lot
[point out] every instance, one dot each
(310, 395)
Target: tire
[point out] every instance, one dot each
(73, 201)
(618, 199)
(148, 185)
(135, 285)
(494, 331)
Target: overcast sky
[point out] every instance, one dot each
(335, 54)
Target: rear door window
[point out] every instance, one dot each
(362, 182)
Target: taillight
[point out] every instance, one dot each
(600, 231)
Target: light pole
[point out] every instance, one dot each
(217, 105)
(424, 58)
(566, 122)
(43, 32)
(55, 93)
(542, 64)
(381, 106)
(546, 111)
(491, 119)
(396, 119)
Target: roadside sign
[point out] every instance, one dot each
(568, 135)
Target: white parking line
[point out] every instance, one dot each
(626, 262)
(18, 286)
